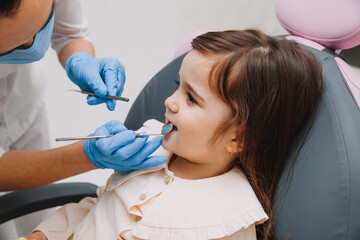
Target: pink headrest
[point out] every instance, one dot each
(185, 44)
(332, 23)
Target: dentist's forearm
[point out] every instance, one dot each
(28, 169)
(78, 45)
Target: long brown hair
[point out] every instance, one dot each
(273, 88)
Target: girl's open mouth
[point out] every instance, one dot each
(168, 127)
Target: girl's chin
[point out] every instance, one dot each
(166, 144)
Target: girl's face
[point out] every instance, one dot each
(196, 114)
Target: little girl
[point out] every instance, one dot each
(243, 97)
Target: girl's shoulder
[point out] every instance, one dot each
(208, 208)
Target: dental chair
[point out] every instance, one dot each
(321, 198)
(19, 203)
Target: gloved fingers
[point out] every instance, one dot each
(150, 147)
(121, 78)
(110, 104)
(84, 70)
(108, 69)
(92, 100)
(110, 73)
(152, 161)
(127, 152)
(110, 76)
(144, 152)
(124, 142)
(96, 83)
(84, 87)
(111, 82)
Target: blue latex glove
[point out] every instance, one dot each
(103, 76)
(122, 152)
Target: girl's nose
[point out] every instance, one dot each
(171, 105)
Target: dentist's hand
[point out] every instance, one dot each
(122, 152)
(103, 76)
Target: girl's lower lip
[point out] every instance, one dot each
(167, 123)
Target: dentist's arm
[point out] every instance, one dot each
(70, 39)
(78, 45)
(27, 169)
(121, 152)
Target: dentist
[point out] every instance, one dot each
(26, 29)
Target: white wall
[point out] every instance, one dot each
(143, 35)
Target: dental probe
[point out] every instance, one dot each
(108, 97)
(166, 129)
(101, 136)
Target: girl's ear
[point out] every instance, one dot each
(234, 145)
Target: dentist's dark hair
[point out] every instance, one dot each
(273, 88)
(8, 8)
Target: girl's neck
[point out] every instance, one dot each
(186, 169)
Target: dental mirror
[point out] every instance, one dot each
(166, 129)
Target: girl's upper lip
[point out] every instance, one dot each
(167, 121)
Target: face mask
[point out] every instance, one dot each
(36, 51)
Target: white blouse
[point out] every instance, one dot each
(155, 204)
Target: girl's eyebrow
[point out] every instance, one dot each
(192, 90)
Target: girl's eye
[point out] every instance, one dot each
(177, 82)
(190, 98)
